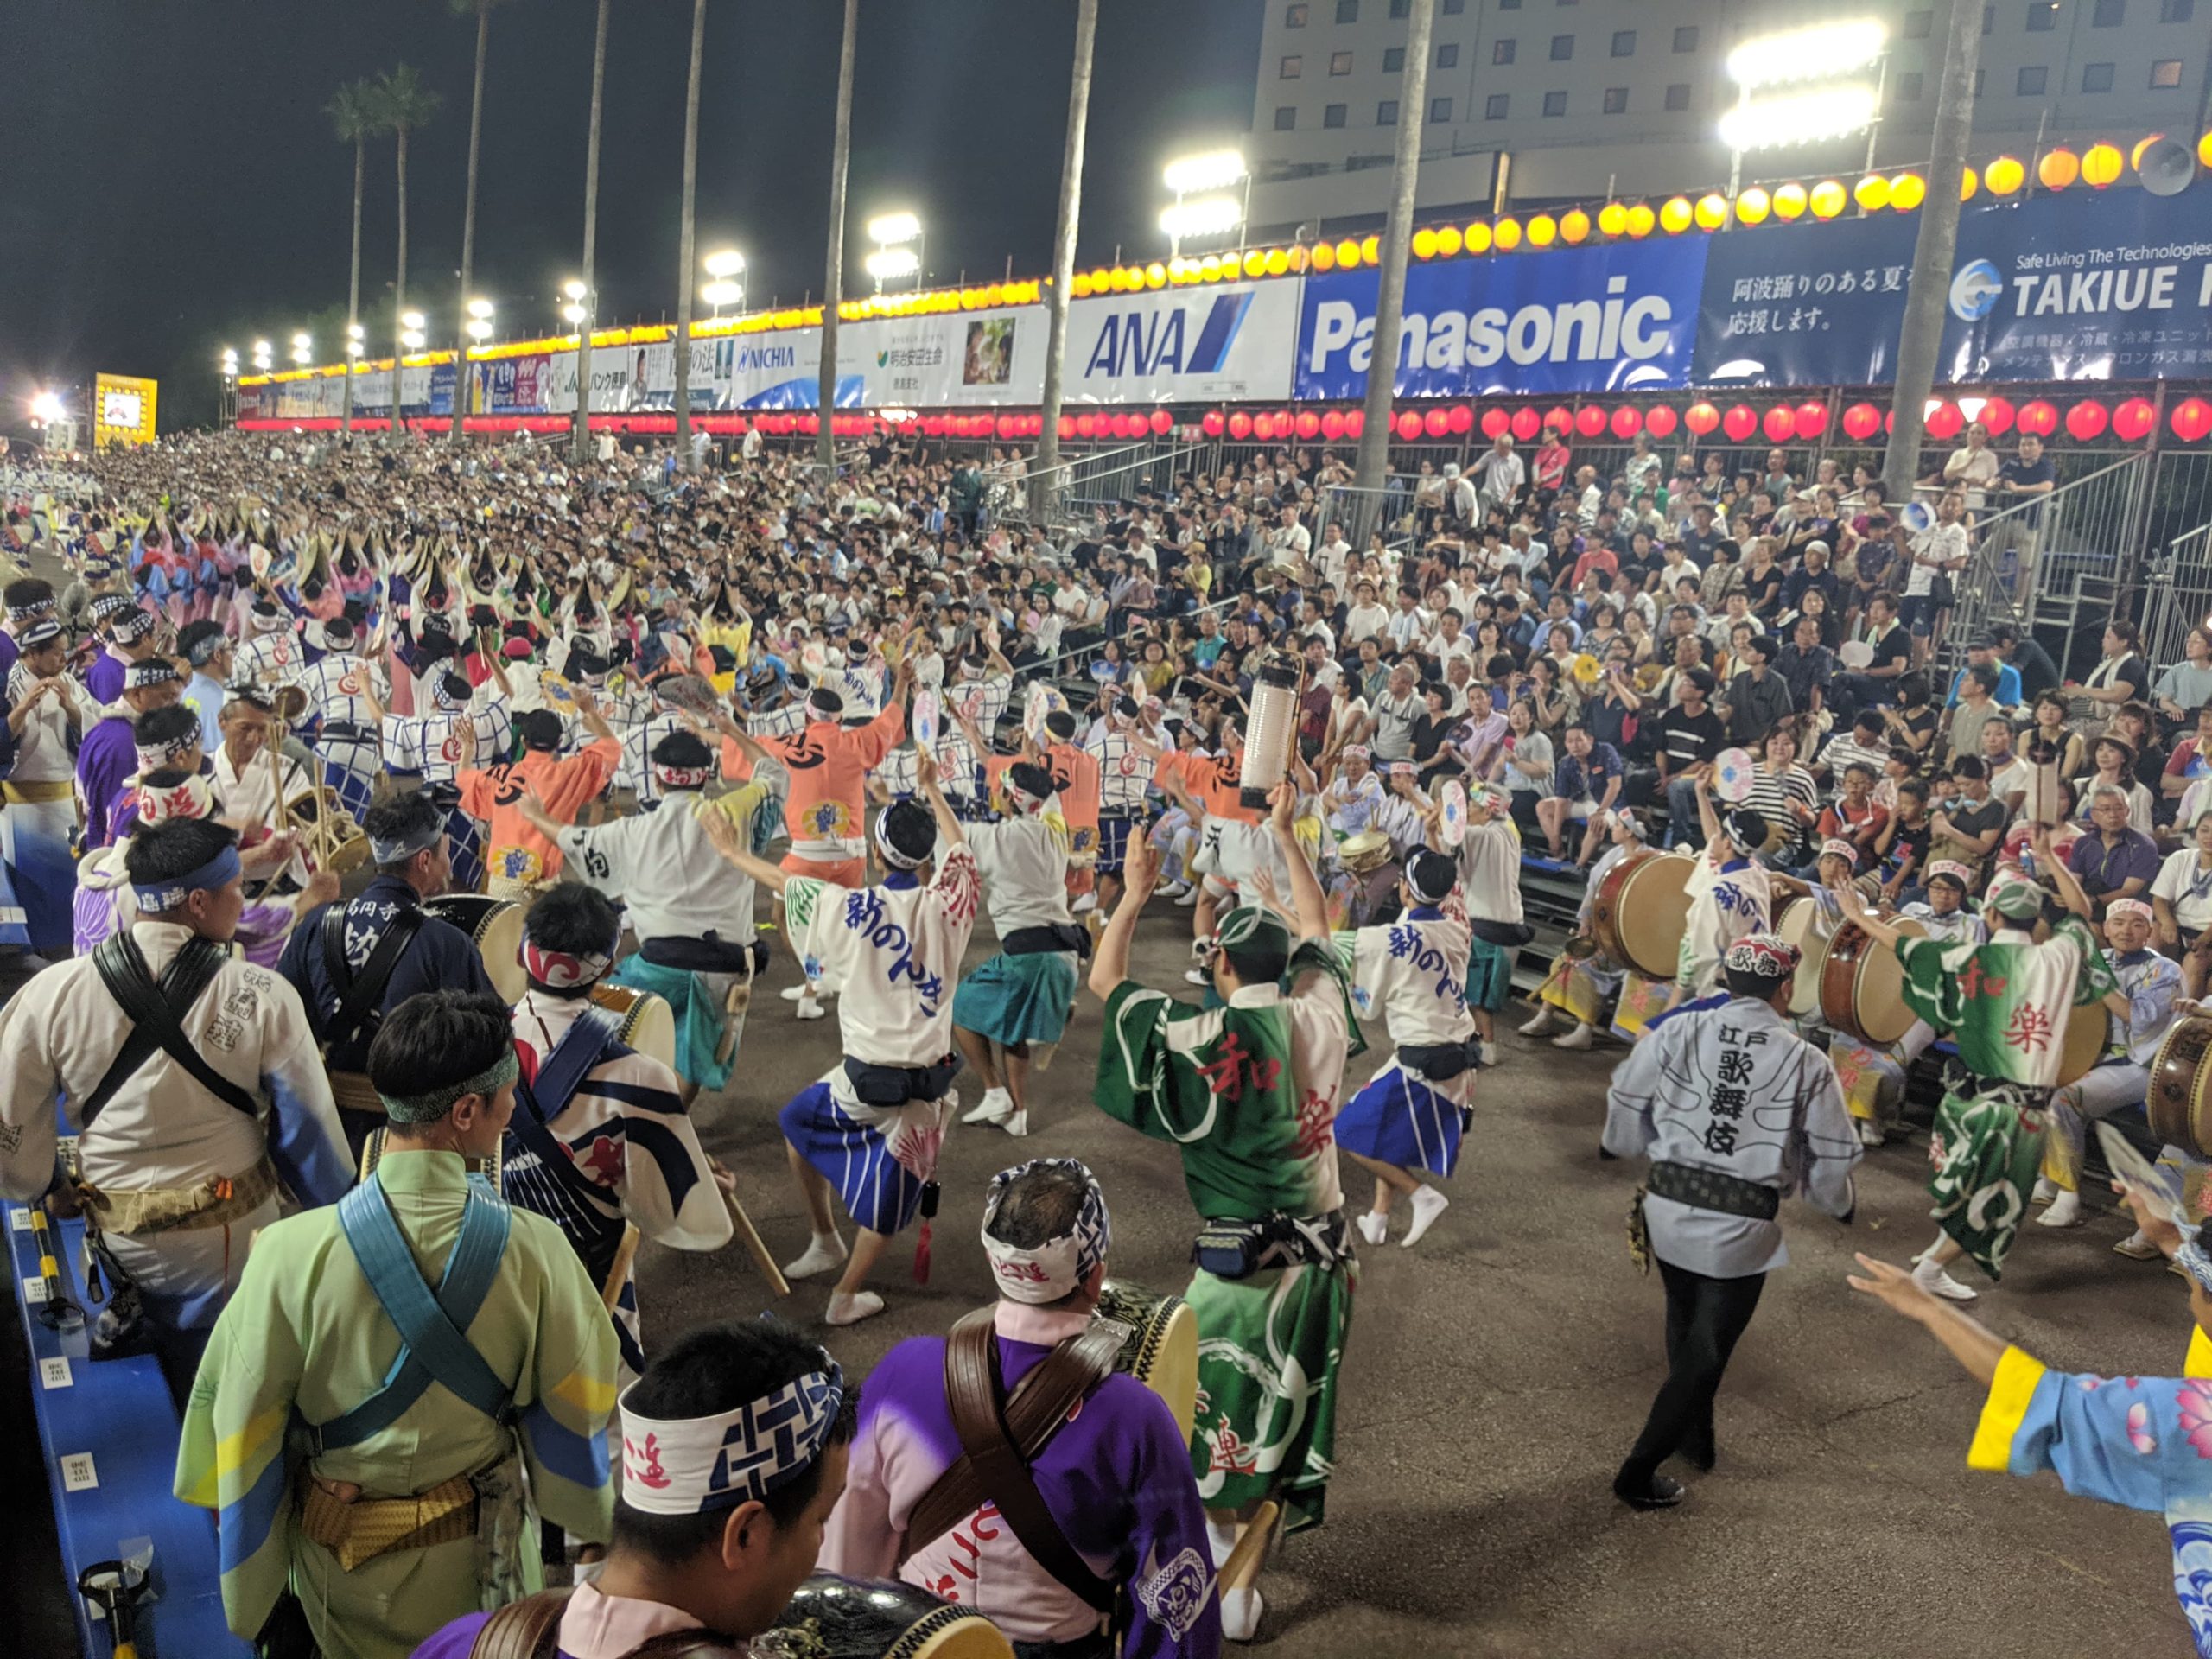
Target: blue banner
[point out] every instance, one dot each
(1805, 305)
(1606, 319)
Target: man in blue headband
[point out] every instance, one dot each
(443, 1361)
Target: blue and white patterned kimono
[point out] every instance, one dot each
(2143, 1442)
(1410, 969)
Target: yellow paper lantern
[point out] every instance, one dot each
(1969, 185)
(1828, 199)
(1872, 192)
(1300, 259)
(1278, 262)
(1640, 218)
(2058, 168)
(1348, 254)
(1325, 256)
(2135, 156)
(1712, 211)
(2204, 150)
(1136, 279)
(1424, 243)
(2102, 165)
(1101, 280)
(1612, 219)
(1789, 201)
(1507, 236)
(1676, 216)
(1079, 285)
(2004, 176)
(1256, 262)
(1448, 241)
(1155, 275)
(1753, 205)
(1210, 268)
(1543, 231)
(1371, 250)
(1574, 227)
(1181, 270)
(1907, 192)
(1478, 239)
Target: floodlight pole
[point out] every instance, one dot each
(1372, 467)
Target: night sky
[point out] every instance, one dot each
(170, 184)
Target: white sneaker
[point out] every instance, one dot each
(2065, 1211)
(1084, 905)
(995, 1107)
(1187, 900)
(1581, 1036)
(1240, 1614)
(792, 993)
(1374, 1226)
(810, 1007)
(1428, 1204)
(1173, 889)
(1486, 1053)
(1542, 1026)
(2046, 1189)
(851, 1310)
(1870, 1134)
(1197, 977)
(1017, 1124)
(827, 1251)
(1936, 1282)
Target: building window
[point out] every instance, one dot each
(1447, 57)
(2043, 16)
(2096, 77)
(1293, 16)
(1501, 51)
(2177, 11)
(1393, 59)
(2165, 74)
(1917, 24)
(2032, 79)
(1989, 17)
(1978, 77)
(1508, 5)
(1293, 67)
(1401, 8)
(1495, 106)
(1439, 109)
(1333, 115)
(1909, 87)
(1453, 7)
(1623, 43)
(1555, 104)
(1562, 49)
(2109, 13)
(1286, 118)
(1386, 114)
(1347, 11)
(1616, 100)
(1678, 96)
(1686, 38)
(1340, 63)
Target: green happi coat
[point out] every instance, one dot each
(1248, 1094)
(304, 1338)
(2006, 1004)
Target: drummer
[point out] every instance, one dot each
(1116, 1481)
(1582, 987)
(2121, 1077)
(1730, 895)
(599, 1141)
(248, 769)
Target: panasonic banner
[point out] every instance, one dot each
(1610, 319)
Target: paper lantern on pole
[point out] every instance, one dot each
(2133, 420)
(1779, 423)
(1677, 215)
(1407, 423)
(1828, 199)
(1627, 421)
(1753, 205)
(1640, 218)
(1712, 211)
(1436, 422)
(1448, 241)
(1543, 231)
(2058, 168)
(1861, 422)
(1476, 238)
(1424, 243)
(2204, 150)
(2004, 176)
(1812, 419)
(2037, 417)
(1459, 420)
(1067, 426)
(1495, 421)
(1263, 427)
(2088, 420)
(1527, 424)
(1997, 414)
(2192, 417)
(1506, 235)
(1789, 201)
(1332, 424)
(1008, 426)
(1559, 418)
(1969, 184)
(1739, 423)
(1212, 422)
(1308, 423)
(1872, 192)
(1661, 422)
(1612, 219)
(1945, 420)
(1240, 426)
(1325, 257)
(1163, 420)
(1590, 421)
(2102, 165)
(1574, 227)
(1355, 423)
(1701, 418)
(1907, 192)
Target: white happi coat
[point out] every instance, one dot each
(1024, 864)
(667, 874)
(1413, 969)
(1727, 901)
(430, 743)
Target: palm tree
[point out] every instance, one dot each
(590, 300)
(352, 116)
(1371, 466)
(483, 10)
(683, 278)
(833, 285)
(402, 105)
(1056, 339)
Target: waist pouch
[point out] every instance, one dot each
(1708, 1189)
(1438, 1064)
(1237, 1249)
(894, 1085)
(711, 955)
(1046, 939)
(1501, 933)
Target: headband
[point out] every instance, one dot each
(205, 648)
(154, 670)
(1248, 924)
(683, 777)
(188, 797)
(1762, 955)
(270, 620)
(825, 702)
(891, 854)
(696, 1465)
(37, 633)
(130, 626)
(2192, 1260)
(1431, 876)
(152, 757)
(1952, 870)
(415, 840)
(1055, 1268)
(156, 897)
(1835, 848)
(1356, 752)
(2017, 901)
(1028, 801)
(2134, 907)
(445, 700)
(563, 970)
(24, 612)
(107, 605)
(1738, 830)
(429, 1108)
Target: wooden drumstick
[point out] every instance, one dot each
(619, 1274)
(749, 1236)
(1243, 1563)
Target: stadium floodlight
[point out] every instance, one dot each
(723, 264)
(479, 328)
(888, 230)
(481, 309)
(573, 289)
(1201, 216)
(354, 331)
(721, 292)
(47, 408)
(1212, 169)
(410, 320)
(1819, 53)
(302, 349)
(573, 312)
(1798, 117)
(888, 264)
(413, 339)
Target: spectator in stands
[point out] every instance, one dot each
(2112, 759)
(2122, 676)
(1934, 555)
(1500, 473)
(1854, 816)
(1975, 709)
(1389, 730)
(2186, 686)
(1892, 656)
(2021, 484)
(1971, 467)
(1685, 738)
(1786, 798)
(2118, 862)
(2009, 774)
(1982, 653)
(1756, 698)
(2139, 727)
(1967, 824)
(2038, 674)
(1524, 765)
(1903, 843)
(1586, 787)
(2181, 901)
(1806, 666)
(1863, 743)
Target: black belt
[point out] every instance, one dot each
(1708, 1189)
(1047, 938)
(1230, 1248)
(1439, 1063)
(346, 728)
(895, 1085)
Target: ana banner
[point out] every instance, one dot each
(1230, 343)
(1610, 319)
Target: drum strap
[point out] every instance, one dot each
(1000, 1433)
(530, 1629)
(538, 1103)
(359, 995)
(156, 1013)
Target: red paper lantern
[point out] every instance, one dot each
(1436, 422)
(1409, 425)
(1240, 426)
(1590, 421)
(1779, 423)
(1263, 424)
(1460, 420)
(1067, 426)
(1496, 421)
(1701, 419)
(1559, 418)
(1086, 426)
(1008, 426)
(1739, 423)
(2133, 420)
(1355, 423)
(1661, 422)
(1861, 422)
(1946, 421)
(1163, 421)
(2087, 420)
(1812, 419)
(1212, 422)
(2191, 419)
(1526, 423)
(1627, 421)
(2037, 417)
(1308, 424)
(1332, 424)
(1997, 415)
(812, 426)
